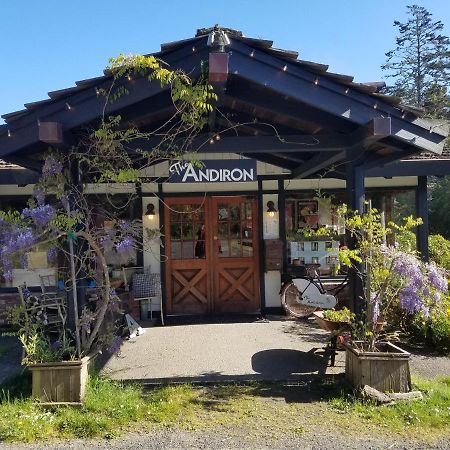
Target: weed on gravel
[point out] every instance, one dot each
(112, 408)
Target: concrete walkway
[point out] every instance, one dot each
(263, 350)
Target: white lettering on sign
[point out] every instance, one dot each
(211, 175)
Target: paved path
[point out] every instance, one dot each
(262, 350)
(267, 350)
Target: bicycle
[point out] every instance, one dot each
(304, 294)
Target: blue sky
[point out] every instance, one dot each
(48, 44)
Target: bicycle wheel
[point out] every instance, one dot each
(291, 302)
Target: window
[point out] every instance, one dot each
(314, 246)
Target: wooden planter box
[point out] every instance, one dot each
(385, 370)
(60, 382)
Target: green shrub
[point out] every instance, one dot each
(434, 330)
(439, 248)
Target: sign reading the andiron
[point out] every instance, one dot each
(213, 171)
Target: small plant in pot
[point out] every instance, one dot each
(391, 280)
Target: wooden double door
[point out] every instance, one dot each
(212, 262)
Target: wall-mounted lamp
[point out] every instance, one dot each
(150, 213)
(271, 208)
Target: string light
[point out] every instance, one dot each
(68, 106)
(129, 77)
(211, 141)
(217, 137)
(403, 114)
(347, 90)
(193, 48)
(316, 81)
(97, 91)
(9, 133)
(285, 68)
(252, 54)
(375, 106)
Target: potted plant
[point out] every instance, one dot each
(335, 320)
(392, 279)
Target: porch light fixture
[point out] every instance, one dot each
(271, 208)
(150, 213)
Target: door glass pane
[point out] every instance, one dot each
(175, 250)
(235, 229)
(187, 231)
(175, 231)
(223, 248)
(247, 248)
(248, 210)
(235, 246)
(235, 212)
(222, 212)
(247, 231)
(223, 230)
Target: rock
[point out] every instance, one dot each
(413, 395)
(376, 395)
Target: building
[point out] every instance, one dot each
(286, 128)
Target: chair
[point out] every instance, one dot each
(127, 274)
(49, 286)
(47, 309)
(147, 287)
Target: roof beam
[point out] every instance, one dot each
(258, 144)
(412, 167)
(328, 96)
(85, 106)
(317, 163)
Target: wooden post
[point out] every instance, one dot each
(356, 198)
(422, 212)
(162, 249)
(262, 274)
(282, 221)
(138, 213)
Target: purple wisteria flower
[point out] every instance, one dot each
(24, 260)
(52, 167)
(52, 253)
(41, 215)
(410, 300)
(407, 266)
(125, 226)
(39, 195)
(115, 345)
(437, 278)
(125, 245)
(65, 202)
(7, 269)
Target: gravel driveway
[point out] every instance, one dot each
(240, 439)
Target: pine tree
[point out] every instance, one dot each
(420, 64)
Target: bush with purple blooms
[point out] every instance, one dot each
(395, 280)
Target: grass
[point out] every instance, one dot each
(424, 416)
(112, 408)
